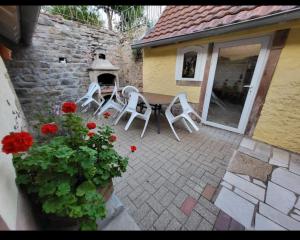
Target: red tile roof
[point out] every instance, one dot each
(181, 20)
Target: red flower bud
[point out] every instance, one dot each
(91, 134)
(91, 125)
(133, 148)
(49, 128)
(17, 142)
(112, 138)
(69, 107)
(106, 114)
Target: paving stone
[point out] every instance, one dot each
(171, 187)
(191, 192)
(149, 220)
(209, 205)
(141, 199)
(280, 198)
(155, 205)
(163, 221)
(262, 223)
(236, 226)
(167, 199)
(188, 205)
(248, 143)
(177, 213)
(179, 199)
(286, 179)
(235, 206)
(295, 216)
(205, 226)
(248, 187)
(280, 158)
(253, 154)
(246, 177)
(193, 221)
(204, 212)
(162, 191)
(295, 166)
(208, 192)
(227, 185)
(141, 212)
(297, 205)
(174, 225)
(223, 221)
(262, 149)
(246, 196)
(149, 188)
(278, 217)
(259, 183)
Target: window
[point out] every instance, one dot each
(190, 63)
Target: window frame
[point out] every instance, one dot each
(201, 51)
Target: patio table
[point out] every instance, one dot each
(156, 101)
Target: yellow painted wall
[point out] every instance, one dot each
(279, 123)
(160, 62)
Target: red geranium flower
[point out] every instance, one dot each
(49, 128)
(17, 142)
(112, 138)
(91, 134)
(91, 125)
(133, 148)
(106, 114)
(69, 107)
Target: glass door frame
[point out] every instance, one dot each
(265, 42)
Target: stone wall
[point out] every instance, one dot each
(40, 80)
(132, 60)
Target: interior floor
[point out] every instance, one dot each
(229, 116)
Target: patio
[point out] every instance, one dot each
(170, 185)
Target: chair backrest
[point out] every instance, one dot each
(134, 99)
(127, 90)
(93, 88)
(115, 93)
(182, 97)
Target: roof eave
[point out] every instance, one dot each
(259, 22)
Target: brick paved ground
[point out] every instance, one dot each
(163, 185)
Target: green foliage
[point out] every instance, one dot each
(63, 172)
(80, 13)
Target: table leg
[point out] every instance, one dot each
(158, 109)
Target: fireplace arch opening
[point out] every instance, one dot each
(106, 79)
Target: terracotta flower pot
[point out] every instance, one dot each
(107, 190)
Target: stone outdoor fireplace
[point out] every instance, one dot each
(103, 72)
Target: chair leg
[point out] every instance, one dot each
(188, 118)
(119, 117)
(146, 124)
(133, 115)
(171, 125)
(186, 125)
(197, 115)
(105, 107)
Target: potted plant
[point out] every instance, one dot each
(67, 170)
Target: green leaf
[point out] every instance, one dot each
(63, 189)
(64, 152)
(88, 225)
(47, 189)
(84, 188)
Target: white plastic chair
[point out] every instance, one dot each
(117, 104)
(131, 108)
(127, 90)
(88, 97)
(184, 116)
